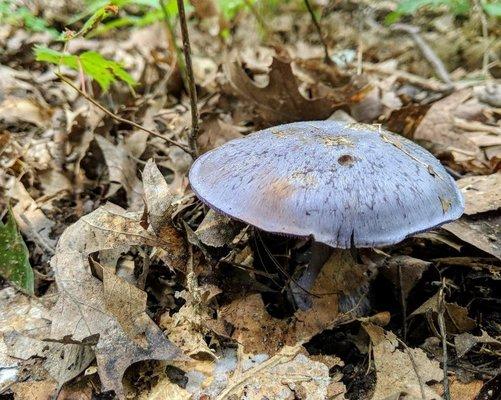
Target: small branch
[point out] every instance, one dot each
(426, 50)
(124, 120)
(443, 334)
(327, 58)
(192, 139)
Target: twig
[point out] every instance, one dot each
(485, 35)
(443, 334)
(124, 120)
(402, 301)
(415, 368)
(327, 58)
(429, 84)
(172, 42)
(426, 50)
(192, 139)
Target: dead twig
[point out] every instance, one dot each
(415, 368)
(124, 120)
(403, 303)
(429, 84)
(485, 34)
(192, 139)
(426, 50)
(443, 334)
(327, 58)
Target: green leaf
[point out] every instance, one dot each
(99, 15)
(93, 64)
(13, 14)
(410, 7)
(14, 257)
(493, 9)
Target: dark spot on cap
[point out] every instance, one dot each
(346, 160)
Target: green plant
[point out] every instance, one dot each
(456, 7)
(13, 14)
(14, 256)
(102, 70)
(91, 63)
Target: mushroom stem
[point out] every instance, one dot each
(320, 253)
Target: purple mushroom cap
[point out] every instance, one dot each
(344, 184)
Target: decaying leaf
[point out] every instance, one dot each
(401, 374)
(188, 326)
(85, 309)
(456, 317)
(280, 100)
(286, 375)
(404, 272)
(254, 328)
(217, 230)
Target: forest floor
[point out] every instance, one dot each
(121, 283)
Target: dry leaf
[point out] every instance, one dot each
(214, 132)
(456, 317)
(122, 171)
(81, 312)
(287, 375)
(483, 233)
(254, 328)
(217, 230)
(14, 110)
(190, 324)
(397, 377)
(159, 200)
(437, 126)
(482, 193)
(164, 390)
(280, 100)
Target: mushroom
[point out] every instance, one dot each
(345, 185)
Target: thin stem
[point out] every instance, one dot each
(443, 334)
(124, 120)
(192, 140)
(172, 42)
(327, 59)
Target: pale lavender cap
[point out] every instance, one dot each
(344, 184)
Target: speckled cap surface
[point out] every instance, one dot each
(344, 184)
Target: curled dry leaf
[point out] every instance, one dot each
(280, 100)
(401, 374)
(159, 203)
